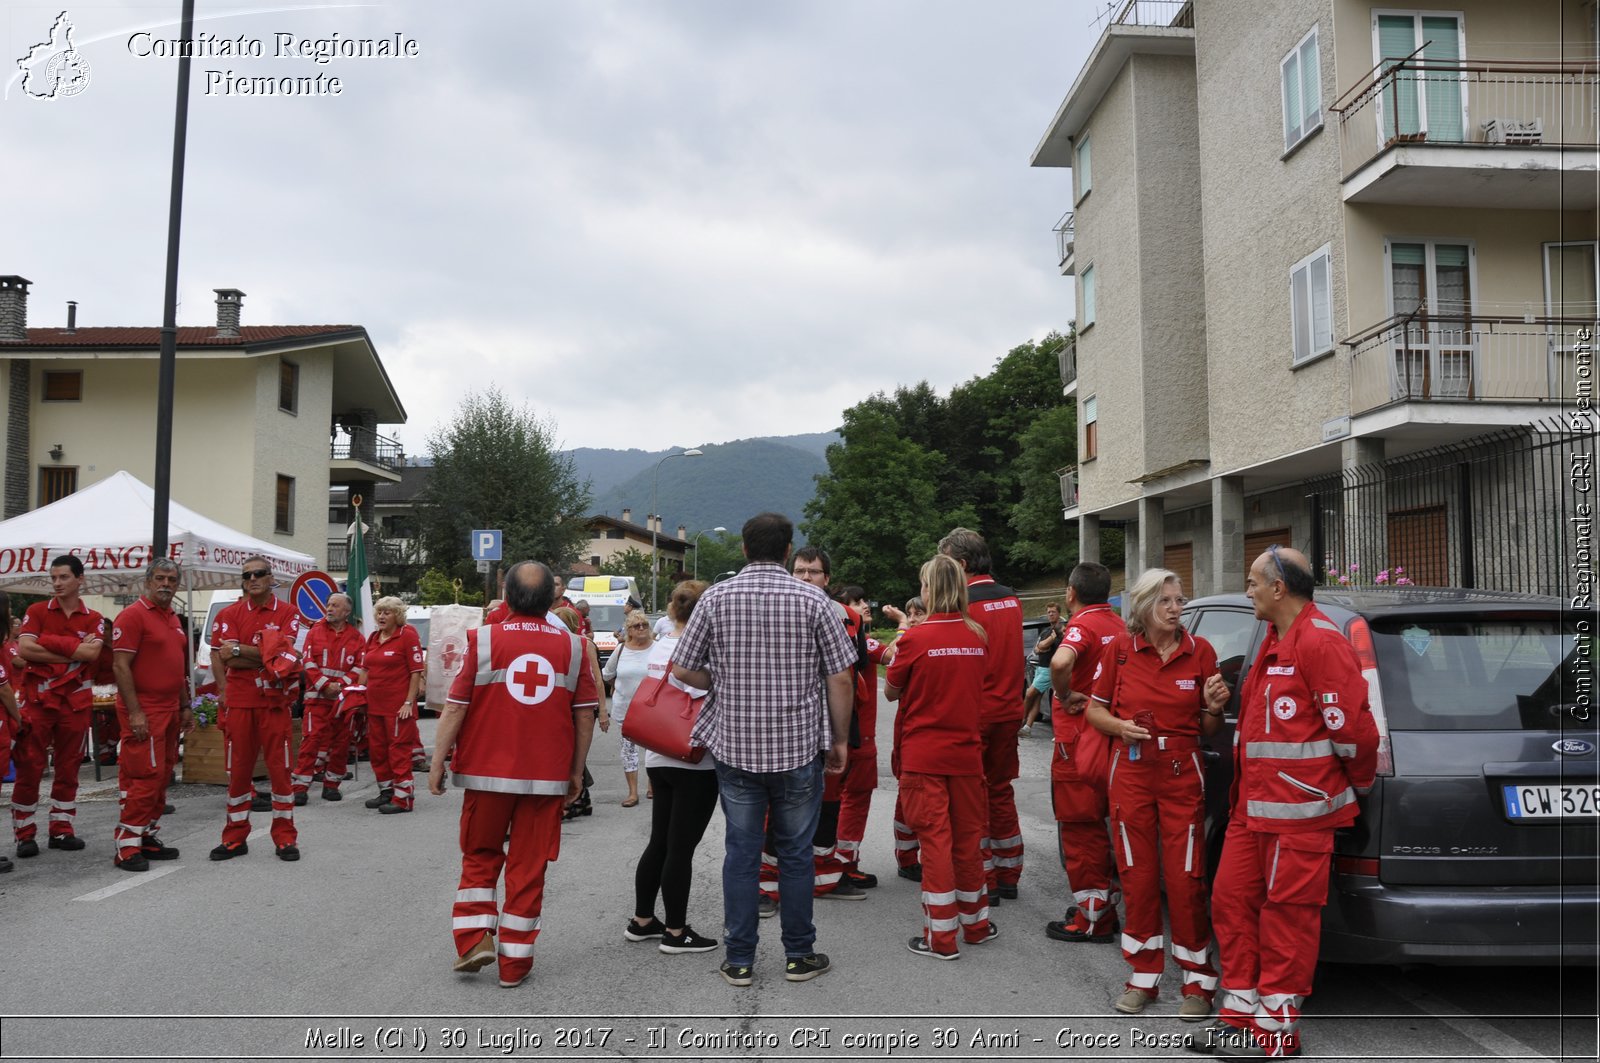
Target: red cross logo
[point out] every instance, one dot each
(530, 679)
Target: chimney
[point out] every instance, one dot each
(683, 532)
(627, 515)
(72, 315)
(14, 308)
(655, 520)
(229, 303)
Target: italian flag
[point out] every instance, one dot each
(359, 581)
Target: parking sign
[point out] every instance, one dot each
(485, 544)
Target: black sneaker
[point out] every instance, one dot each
(914, 872)
(27, 849)
(261, 802)
(739, 974)
(1008, 890)
(330, 794)
(844, 891)
(919, 945)
(155, 849)
(301, 797)
(136, 862)
(228, 852)
(688, 941)
(994, 898)
(651, 931)
(288, 852)
(6, 865)
(70, 842)
(168, 809)
(994, 932)
(860, 879)
(381, 800)
(805, 968)
(392, 809)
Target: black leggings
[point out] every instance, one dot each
(685, 799)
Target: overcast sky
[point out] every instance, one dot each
(662, 222)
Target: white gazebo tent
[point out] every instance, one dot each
(107, 524)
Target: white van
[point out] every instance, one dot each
(606, 611)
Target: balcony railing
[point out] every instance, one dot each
(1064, 234)
(1490, 103)
(382, 556)
(363, 444)
(1151, 13)
(1461, 358)
(1067, 356)
(1069, 487)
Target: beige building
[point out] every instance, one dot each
(1336, 277)
(268, 417)
(610, 535)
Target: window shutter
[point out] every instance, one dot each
(1291, 100)
(1088, 296)
(1321, 306)
(1310, 87)
(1300, 311)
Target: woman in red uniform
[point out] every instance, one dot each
(1151, 699)
(394, 662)
(937, 677)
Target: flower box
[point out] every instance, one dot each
(205, 755)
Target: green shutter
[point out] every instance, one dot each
(1443, 90)
(1292, 130)
(1310, 85)
(1397, 38)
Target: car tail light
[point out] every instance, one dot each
(1356, 865)
(1361, 640)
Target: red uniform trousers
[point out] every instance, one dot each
(55, 732)
(144, 771)
(1268, 910)
(1002, 838)
(1081, 806)
(251, 731)
(947, 812)
(826, 863)
(907, 850)
(324, 746)
(1158, 825)
(411, 736)
(860, 779)
(391, 756)
(532, 822)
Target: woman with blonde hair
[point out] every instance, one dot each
(626, 669)
(1151, 698)
(394, 663)
(937, 677)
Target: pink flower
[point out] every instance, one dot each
(1382, 577)
(1403, 582)
(1354, 567)
(1344, 580)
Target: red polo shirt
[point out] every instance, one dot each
(999, 613)
(939, 666)
(47, 620)
(1133, 678)
(245, 623)
(1089, 631)
(389, 667)
(160, 655)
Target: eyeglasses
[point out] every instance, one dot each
(260, 573)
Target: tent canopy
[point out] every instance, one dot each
(108, 524)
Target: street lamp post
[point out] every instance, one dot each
(719, 530)
(655, 517)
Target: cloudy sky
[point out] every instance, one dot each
(662, 222)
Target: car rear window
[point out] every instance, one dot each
(1500, 674)
(606, 617)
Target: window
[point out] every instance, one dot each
(1434, 280)
(1091, 429)
(284, 519)
(1086, 288)
(63, 386)
(1427, 104)
(56, 482)
(1311, 304)
(288, 386)
(1301, 72)
(1081, 170)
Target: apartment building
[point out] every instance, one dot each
(267, 417)
(1336, 280)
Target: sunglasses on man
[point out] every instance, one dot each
(260, 573)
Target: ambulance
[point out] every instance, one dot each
(607, 597)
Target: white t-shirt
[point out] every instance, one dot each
(663, 628)
(628, 667)
(660, 662)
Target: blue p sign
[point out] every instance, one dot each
(485, 544)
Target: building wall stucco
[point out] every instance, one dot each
(293, 444)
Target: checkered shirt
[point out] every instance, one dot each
(770, 641)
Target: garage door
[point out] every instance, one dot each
(1180, 559)
(1419, 542)
(1256, 543)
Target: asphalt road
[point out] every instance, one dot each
(347, 953)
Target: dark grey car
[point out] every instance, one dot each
(1478, 842)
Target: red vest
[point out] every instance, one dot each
(331, 655)
(518, 734)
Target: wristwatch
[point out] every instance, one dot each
(236, 649)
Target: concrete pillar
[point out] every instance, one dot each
(1152, 533)
(1228, 563)
(1089, 538)
(1364, 534)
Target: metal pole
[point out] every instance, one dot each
(655, 563)
(166, 380)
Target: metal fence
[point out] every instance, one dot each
(1498, 512)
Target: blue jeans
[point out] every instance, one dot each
(794, 799)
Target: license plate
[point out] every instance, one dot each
(1551, 801)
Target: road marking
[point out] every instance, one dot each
(1490, 1037)
(112, 891)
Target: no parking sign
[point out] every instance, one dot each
(310, 595)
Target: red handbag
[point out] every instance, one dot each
(660, 717)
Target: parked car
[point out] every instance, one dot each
(1477, 844)
(1031, 630)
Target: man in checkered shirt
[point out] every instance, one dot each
(778, 664)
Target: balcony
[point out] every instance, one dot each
(382, 556)
(1501, 133)
(360, 454)
(1064, 234)
(1069, 491)
(1067, 357)
(1466, 359)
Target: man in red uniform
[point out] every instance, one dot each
(10, 714)
(999, 613)
(255, 701)
(1306, 745)
(520, 715)
(151, 666)
(1078, 764)
(60, 640)
(861, 768)
(333, 652)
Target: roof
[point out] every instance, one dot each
(135, 336)
(412, 479)
(1111, 53)
(627, 526)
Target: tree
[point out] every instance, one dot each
(496, 465)
(1044, 543)
(436, 588)
(631, 562)
(719, 552)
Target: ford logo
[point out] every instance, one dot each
(1572, 747)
